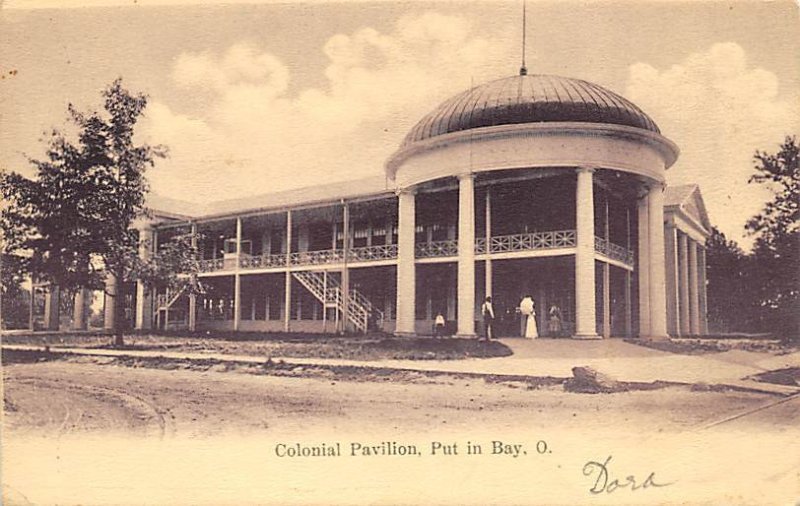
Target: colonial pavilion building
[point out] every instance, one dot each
(532, 184)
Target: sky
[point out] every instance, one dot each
(254, 97)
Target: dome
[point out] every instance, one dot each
(530, 99)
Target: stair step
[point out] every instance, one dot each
(322, 286)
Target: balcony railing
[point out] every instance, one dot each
(320, 257)
(613, 251)
(527, 242)
(263, 261)
(372, 253)
(434, 249)
(532, 241)
(212, 265)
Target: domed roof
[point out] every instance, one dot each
(530, 99)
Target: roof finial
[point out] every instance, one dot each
(523, 70)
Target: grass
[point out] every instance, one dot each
(349, 373)
(714, 344)
(789, 376)
(368, 347)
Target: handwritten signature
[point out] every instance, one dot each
(605, 483)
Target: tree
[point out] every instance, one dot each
(776, 253)
(83, 203)
(14, 299)
(730, 303)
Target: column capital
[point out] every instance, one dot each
(466, 175)
(647, 187)
(587, 168)
(142, 225)
(411, 190)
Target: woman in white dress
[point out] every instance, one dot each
(528, 308)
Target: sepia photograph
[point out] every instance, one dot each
(512, 252)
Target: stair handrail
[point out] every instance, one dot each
(359, 306)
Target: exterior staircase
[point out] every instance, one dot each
(164, 302)
(328, 290)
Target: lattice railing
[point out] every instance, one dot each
(320, 257)
(373, 253)
(613, 251)
(526, 242)
(448, 248)
(211, 265)
(263, 261)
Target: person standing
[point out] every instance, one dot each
(528, 308)
(488, 317)
(554, 323)
(438, 324)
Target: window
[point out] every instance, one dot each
(230, 246)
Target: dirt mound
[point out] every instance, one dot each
(586, 380)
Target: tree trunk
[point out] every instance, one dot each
(119, 314)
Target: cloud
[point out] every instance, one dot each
(241, 66)
(257, 133)
(719, 108)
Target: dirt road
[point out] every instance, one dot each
(62, 397)
(82, 431)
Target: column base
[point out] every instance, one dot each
(404, 334)
(465, 336)
(587, 337)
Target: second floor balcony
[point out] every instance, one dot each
(513, 245)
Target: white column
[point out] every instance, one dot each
(406, 269)
(110, 305)
(345, 270)
(488, 239)
(703, 294)
(31, 302)
(606, 300)
(287, 288)
(628, 315)
(51, 307)
(671, 254)
(628, 301)
(79, 310)
(585, 323)
(237, 279)
(466, 255)
(683, 285)
(144, 306)
(644, 267)
(694, 295)
(193, 295)
(606, 279)
(658, 291)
